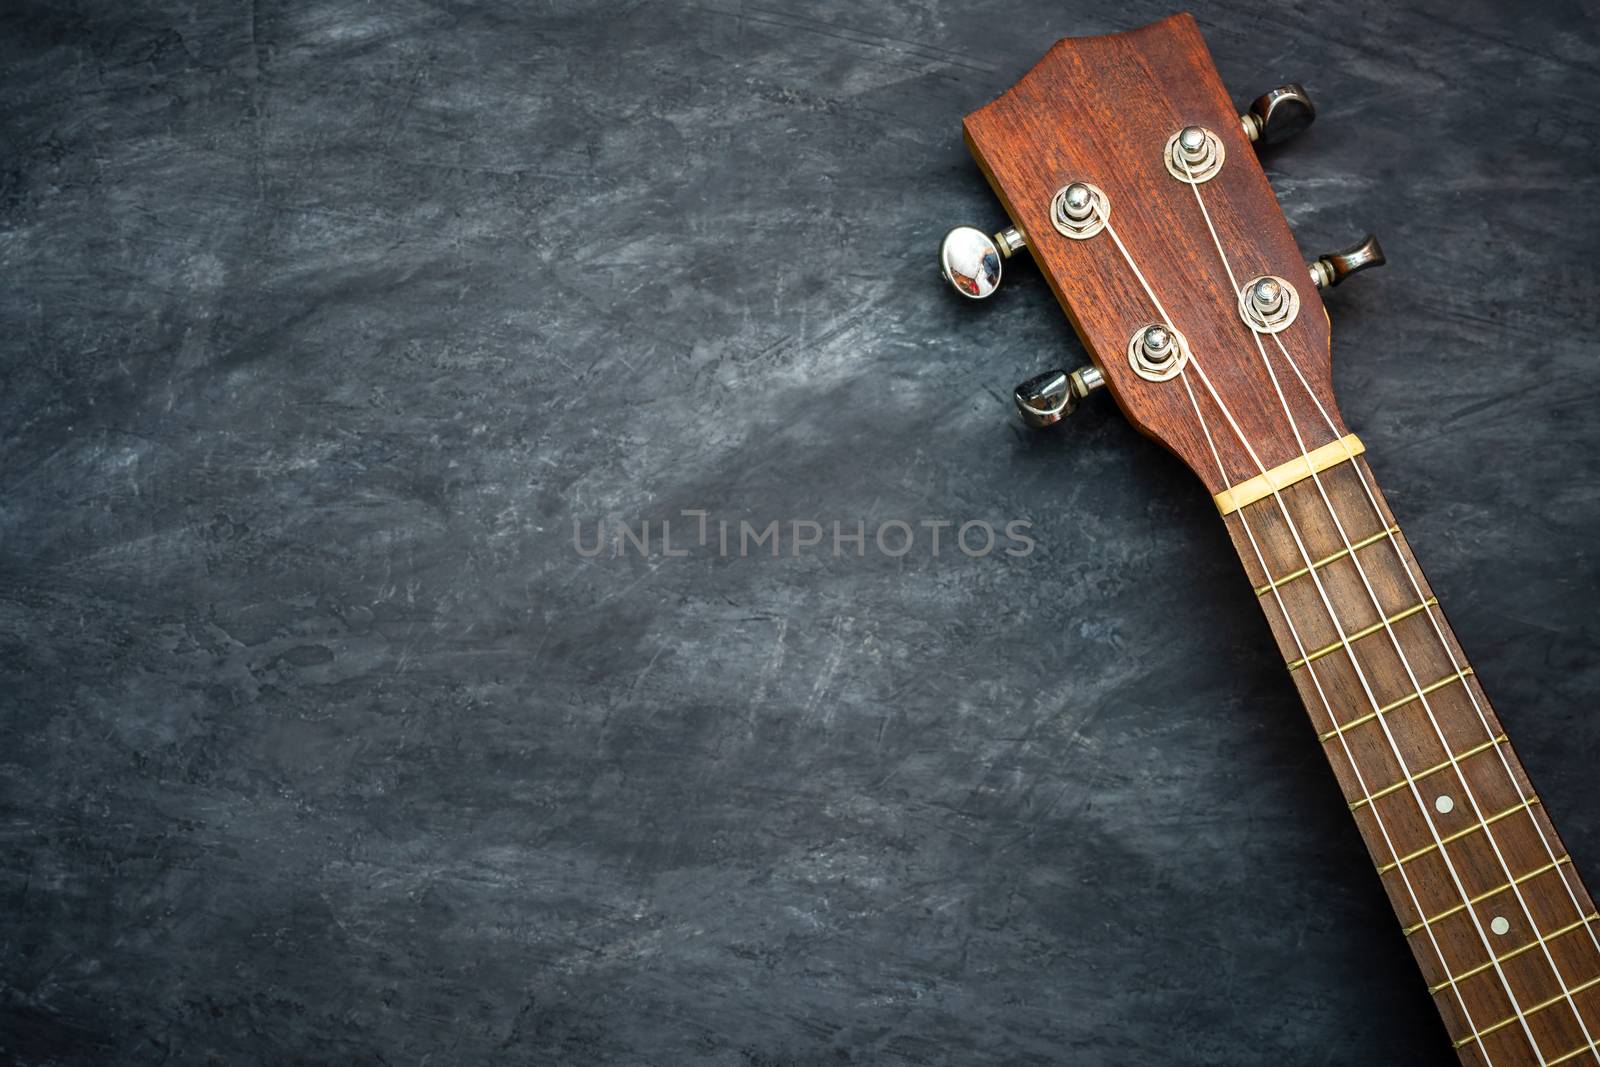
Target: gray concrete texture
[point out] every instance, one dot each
(323, 323)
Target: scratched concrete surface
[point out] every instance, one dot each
(323, 322)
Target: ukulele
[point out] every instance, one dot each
(1133, 183)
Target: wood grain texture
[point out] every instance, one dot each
(1454, 827)
(1100, 109)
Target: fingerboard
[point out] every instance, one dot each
(1500, 923)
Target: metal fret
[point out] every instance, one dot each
(1479, 1035)
(1420, 775)
(1365, 632)
(1486, 894)
(1458, 676)
(1579, 1051)
(1538, 939)
(1263, 590)
(1459, 834)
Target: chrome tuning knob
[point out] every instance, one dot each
(1048, 398)
(969, 259)
(1278, 114)
(1334, 267)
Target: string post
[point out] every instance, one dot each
(1194, 154)
(1157, 352)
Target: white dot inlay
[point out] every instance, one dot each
(1444, 805)
(1499, 925)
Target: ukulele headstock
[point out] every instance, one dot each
(1132, 180)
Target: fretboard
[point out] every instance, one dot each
(1500, 924)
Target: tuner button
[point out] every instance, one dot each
(1278, 115)
(1050, 397)
(970, 261)
(1335, 267)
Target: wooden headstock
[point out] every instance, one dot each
(1102, 111)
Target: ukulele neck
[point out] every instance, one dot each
(1502, 928)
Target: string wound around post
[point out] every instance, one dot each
(1194, 154)
(1268, 304)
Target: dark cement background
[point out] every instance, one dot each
(323, 321)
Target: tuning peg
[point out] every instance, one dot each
(1333, 268)
(969, 259)
(1279, 114)
(1050, 397)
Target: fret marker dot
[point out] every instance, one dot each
(1444, 805)
(1499, 924)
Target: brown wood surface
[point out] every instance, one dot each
(1100, 109)
(1390, 695)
